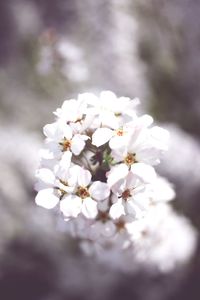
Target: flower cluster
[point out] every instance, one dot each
(97, 169)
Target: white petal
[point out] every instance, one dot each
(73, 175)
(46, 176)
(117, 210)
(131, 208)
(89, 98)
(71, 206)
(119, 187)
(84, 177)
(149, 156)
(70, 110)
(77, 144)
(109, 119)
(101, 136)
(61, 170)
(160, 137)
(66, 160)
(134, 210)
(108, 97)
(163, 190)
(141, 200)
(84, 137)
(99, 190)
(54, 148)
(131, 181)
(118, 142)
(46, 198)
(116, 173)
(87, 122)
(145, 121)
(89, 208)
(119, 154)
(50, 130)
(45, 153)
(144, 171)
(67, 131)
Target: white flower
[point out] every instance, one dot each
(71, 111)
(52, 186)
(143, 171)
(85, 196)
(129, 197)
(108, 109)
(162, 239)
(144, 145)
(117, 138)
(161, 190)
(97, 169)
(60, 138)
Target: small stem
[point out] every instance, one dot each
(87, 163)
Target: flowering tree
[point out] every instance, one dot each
(97, 168)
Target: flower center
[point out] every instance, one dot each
(130, 159)
(103, 216)
(126, 194)
(120, 132)
(66, 144)
(82, 192)
(120, 225)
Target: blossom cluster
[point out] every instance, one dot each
(97, 170)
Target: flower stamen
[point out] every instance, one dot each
(130, 159)
(66, 144)
(120, 132)
(82, 192)
(103, 216)
(120, 225)
(126, 194)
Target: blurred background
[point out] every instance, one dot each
(51, 51)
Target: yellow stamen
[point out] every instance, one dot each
(130, 159)
(66, 144)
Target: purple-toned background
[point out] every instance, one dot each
(53, 50)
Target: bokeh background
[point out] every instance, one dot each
(51, 51)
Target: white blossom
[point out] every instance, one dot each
(71, 111)
(117, 138)
(85, 196)
(108, 109)
(144, 171)
(129, 197)
(97, 169)
(60, 138)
